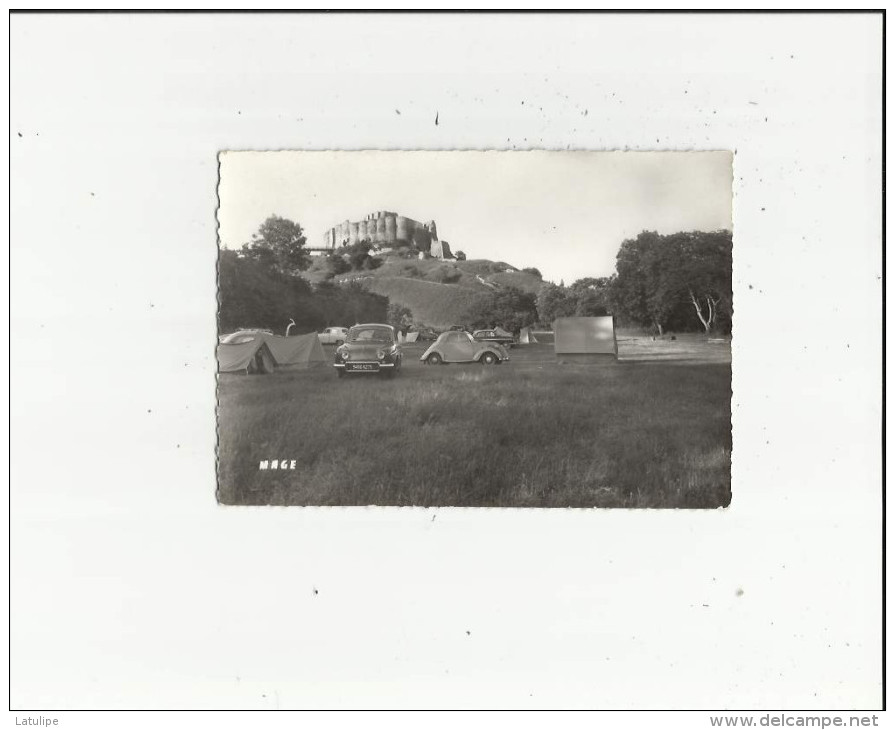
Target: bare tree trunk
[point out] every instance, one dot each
(707, 318)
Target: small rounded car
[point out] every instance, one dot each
(461, 347)
(333, 335)
(498, 336)
(369, 349)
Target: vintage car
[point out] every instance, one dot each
(461, 347)
(369, 349)
(498, 336)
(241, 336)
(333, 335)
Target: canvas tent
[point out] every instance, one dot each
(526, 337)
(298, 351)
(246, 357)
(264, 353)
(412, 337)
(585, 339)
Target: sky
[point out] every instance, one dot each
(564, 213)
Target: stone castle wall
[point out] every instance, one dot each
(383, 227)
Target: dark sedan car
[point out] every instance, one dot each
(497, 336)
(369, 349)
(426, 333)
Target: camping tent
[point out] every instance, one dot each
(412, 337)
(585, 339)
(246, 357)
(264, 353)
(526, 337)
(298, 351)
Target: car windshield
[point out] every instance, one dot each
(369, 334)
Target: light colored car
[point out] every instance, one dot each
(461, 347)
(333, 335)
(369, 349)
(241, 336)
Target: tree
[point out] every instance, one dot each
(253, 295)
(335, 265)
(348, 304)
(554, 301)
(533, 271)
(590, 283)
(683, 279)
(359, 256)
(399, 316)
(592, 296)
(638, 290)
(460, 256)
(509, 308)
(707, 273)
(591, 304)
(279, 244)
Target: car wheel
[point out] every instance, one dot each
(339, 343)
(489, 358)
(434, 359)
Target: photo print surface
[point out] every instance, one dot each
(475, 329)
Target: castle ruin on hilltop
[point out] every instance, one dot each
(386, 229)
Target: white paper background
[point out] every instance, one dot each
(131, 588)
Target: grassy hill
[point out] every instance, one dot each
(439, 293)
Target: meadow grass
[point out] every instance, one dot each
(529, 433)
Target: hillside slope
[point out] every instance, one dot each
(438, 293)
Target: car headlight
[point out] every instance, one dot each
(381, 354)
(343, 354)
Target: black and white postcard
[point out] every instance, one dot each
(475, 329)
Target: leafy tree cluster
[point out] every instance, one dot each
(682, 281)
(359, 256)
(509, 308)
(259, 286)
(399, 316)
(279, 244)
(348, 304)
(585, 298)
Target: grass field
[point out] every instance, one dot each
(652, 430)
